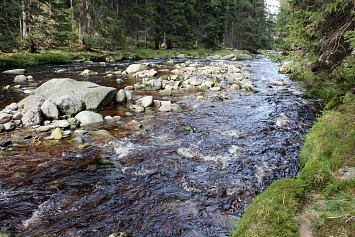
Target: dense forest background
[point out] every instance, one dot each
(35, 25)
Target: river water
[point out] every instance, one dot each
(159, 180)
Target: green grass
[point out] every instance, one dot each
(329, 146)
(271, 213)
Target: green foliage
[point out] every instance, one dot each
(272, 212)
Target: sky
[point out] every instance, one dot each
(273, 5)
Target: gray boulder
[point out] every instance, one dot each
(129, 95)
(228, 57)
(146, 101)
(70, 105)
(32, 117)
(50, 110)
(12, 107)
(93, 95)
(4, 118)
(135, 68)
(214, 57)
(137, 108)
(32, 101)
(121, 96)
(20, 79)
(9, 126)
(15, 71)
(89, 117)
(155, 84)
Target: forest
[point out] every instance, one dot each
(37, 25)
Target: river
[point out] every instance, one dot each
(159, 180)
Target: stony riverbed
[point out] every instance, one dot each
(184, 162)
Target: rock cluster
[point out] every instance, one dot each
(59, 104)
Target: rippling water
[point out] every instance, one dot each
(156, 181)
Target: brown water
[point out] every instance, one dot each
(157, 181)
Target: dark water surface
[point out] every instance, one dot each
(157, 181)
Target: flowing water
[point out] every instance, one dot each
(160, 180)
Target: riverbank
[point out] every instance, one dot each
(320, 200)
(67, 55)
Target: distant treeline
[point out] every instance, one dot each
(35, 25)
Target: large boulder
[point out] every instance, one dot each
(89, 117)
(30, 102)
(93, 95)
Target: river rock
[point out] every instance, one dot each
(17, 122)
(2, 127)
(17, 116)
(50, 110)
(57, 134)
(43, 129)
(214, 57)
(135, 68)
(236, 87)
(165, 106)
(146, 101)
(32, 101)
(216, 88)
(32, 117)
(89, 117)
(15, 71)
(29, 78)
(167, 92)
(73, 122)
(129, 95)
(286, 67)
(88, 72)
(20, 79)
(12, 107)
(93, 95)
(154, 84)
(9, 126)
(228, 57)
(137, 108)
(119, 81)
(121, 96)
(61, 124)
(70, 105)
(5, 117)
(77, 140)
(103, 135)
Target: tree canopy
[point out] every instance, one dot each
(35, 25)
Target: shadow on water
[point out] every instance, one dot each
(159, 180)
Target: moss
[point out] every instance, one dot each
(271, 213)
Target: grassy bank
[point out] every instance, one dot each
(66, 55)
(318, 201)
